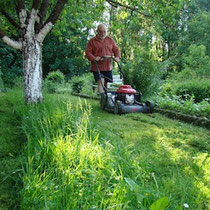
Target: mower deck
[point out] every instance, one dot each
(110, 103)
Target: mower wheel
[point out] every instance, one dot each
(117, 107)
(150, 106)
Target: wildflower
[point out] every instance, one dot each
(186, 205)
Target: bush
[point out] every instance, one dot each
(1, 81)
(166, 89)
(194, 80)
(196, 63)
(199, 89)
(53, 80)
(83, 84)
(49, 86)
(10, 64)
(187, 106)
(56, 77)
(77, 84)
(18, 82)
(143, 74)
(9, 77)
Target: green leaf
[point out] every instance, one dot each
(160, 204)
(133, 186)
(140, 197)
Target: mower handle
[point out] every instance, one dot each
(109, 56)
(119, 67)
(118, 64)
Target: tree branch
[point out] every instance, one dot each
(35, 4)
(56, 11)
(2, 34)
(111, 3)
(20, 5)
(21, 12)
(9, 18)
(51, 20)
(43, 9)
(44, 31)
(10, 42)
(116, 4)
(32, 18)
(42, 13)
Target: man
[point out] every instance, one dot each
(99, 46)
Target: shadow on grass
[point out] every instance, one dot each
(11, 142)
(164, 157)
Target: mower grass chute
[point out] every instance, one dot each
(124, 100)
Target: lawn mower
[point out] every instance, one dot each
(125, 99)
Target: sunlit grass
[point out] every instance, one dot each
(169, 149)
(79, 157)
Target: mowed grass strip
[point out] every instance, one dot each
(164, 157)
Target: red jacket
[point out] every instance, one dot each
(98, 47)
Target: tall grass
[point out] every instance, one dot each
(66, 166)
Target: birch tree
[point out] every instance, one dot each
(33, 22)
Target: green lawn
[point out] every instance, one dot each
(11, 141)
(170, 157)
(79, 157)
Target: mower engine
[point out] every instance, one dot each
(127, 95)
(127, 100)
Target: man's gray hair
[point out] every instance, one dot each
(101, 24)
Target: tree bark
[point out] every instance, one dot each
(32, 68)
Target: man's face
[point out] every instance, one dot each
(101, 32)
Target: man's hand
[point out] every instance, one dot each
(97, 58)
(117, 59)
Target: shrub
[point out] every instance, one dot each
(187, 106)
(196, 63)
(199, 89)
(56, 77)
(77, 84)
(82, 84)
(9, 77)
(53, 80)
(166, 89)
(143, 74)
(49, 86)
(1, 81)
(18, 82)
(11, 64)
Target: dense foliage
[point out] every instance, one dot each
(155, 39)
(10, 64)
(162, 44)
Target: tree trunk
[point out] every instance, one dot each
(32, 31)
(32, 68)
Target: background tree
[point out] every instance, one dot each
(34, 23)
